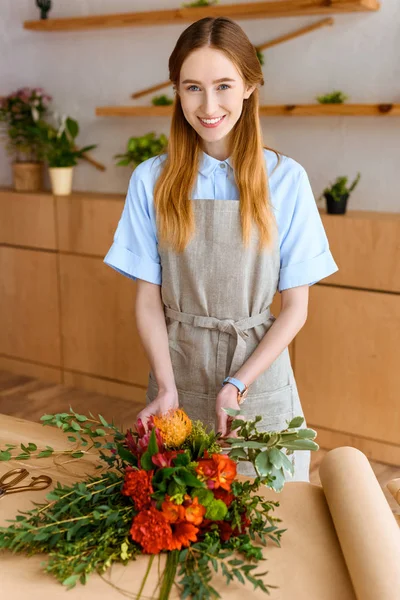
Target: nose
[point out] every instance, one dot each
(210, 103)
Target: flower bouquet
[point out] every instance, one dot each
(170, 487)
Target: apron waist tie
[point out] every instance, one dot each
(235, 328)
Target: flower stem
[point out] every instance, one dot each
(169, 574)
(145, 577)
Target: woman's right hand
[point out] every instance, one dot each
(164, 401)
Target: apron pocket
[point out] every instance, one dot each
(275, 407)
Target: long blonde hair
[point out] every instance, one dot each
(172, 191)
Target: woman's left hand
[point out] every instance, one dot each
(227, 398)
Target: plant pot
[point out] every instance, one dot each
(28, 176)
(61, 180)
(336, 207)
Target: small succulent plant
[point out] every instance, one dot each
(340, 189)
(336, 97)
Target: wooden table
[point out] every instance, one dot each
(309, 565)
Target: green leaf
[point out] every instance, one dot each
(262, 463)
(182, 460)
(45, 453)
(238, 453)
(145, 461)
(81, 418)
(71, 438)
(75, 426)
(47, 418)
(5, 455)
(232, 412)
(295, 422)
(32, 447)
(77, 454)
(70, 582)
(103, 421)
(182, 476)
(126, 455)
(100, 432)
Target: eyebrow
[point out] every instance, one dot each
(216, 81)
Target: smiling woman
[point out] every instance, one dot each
(212, 229)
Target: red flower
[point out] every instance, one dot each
(182, 534)
(219, 471)
(164, 459)
(226, 497)
(137, 485)
(151, 531)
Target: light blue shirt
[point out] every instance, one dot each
(305, 257)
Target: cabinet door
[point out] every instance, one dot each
(98, 322)
(347, 362)
(29, 306)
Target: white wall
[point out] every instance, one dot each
(81, 70)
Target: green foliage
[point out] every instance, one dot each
(200, 440)
(82, 528)
(90, 433)
(142, 148)
(58, 142)
(260, 56)
(264, 449)
(335, 97)
(340, 189)
(163, 100)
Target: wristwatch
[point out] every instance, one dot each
(241, 387)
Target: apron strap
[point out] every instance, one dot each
(237, 329)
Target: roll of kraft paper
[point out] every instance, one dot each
(365, 525)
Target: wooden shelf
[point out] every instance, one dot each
(252, 10)
(299, 110)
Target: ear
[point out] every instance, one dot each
(248, 92)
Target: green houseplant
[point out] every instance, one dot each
(60, 152)
(20, 114)
(141, 148)
(337, 195)
(336, 97)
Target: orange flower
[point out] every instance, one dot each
(182, 534)
(151, 531)
(137, 485)
(226, 470)
(195, 512)
(174, 427)
(172, 512)
(218, 471)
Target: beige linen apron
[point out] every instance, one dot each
(216, 296)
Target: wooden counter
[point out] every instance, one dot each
(67, 317)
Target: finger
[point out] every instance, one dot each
(221, 427)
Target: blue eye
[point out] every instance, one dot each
(222, 84)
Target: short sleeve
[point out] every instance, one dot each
(134, 252)
(305, 257)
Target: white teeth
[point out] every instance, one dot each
(212, 121)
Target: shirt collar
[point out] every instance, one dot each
(209, 163)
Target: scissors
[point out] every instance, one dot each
(8, 482)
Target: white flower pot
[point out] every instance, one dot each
(61, 180)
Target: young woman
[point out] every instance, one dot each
(211, 229)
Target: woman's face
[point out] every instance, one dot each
(211, 87)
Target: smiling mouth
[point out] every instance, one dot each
(212, 121)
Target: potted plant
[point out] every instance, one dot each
(61, 153)
(337, 195)
(336, 97)
(141, 148)
(21, 112)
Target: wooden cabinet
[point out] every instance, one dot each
(66, 316)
